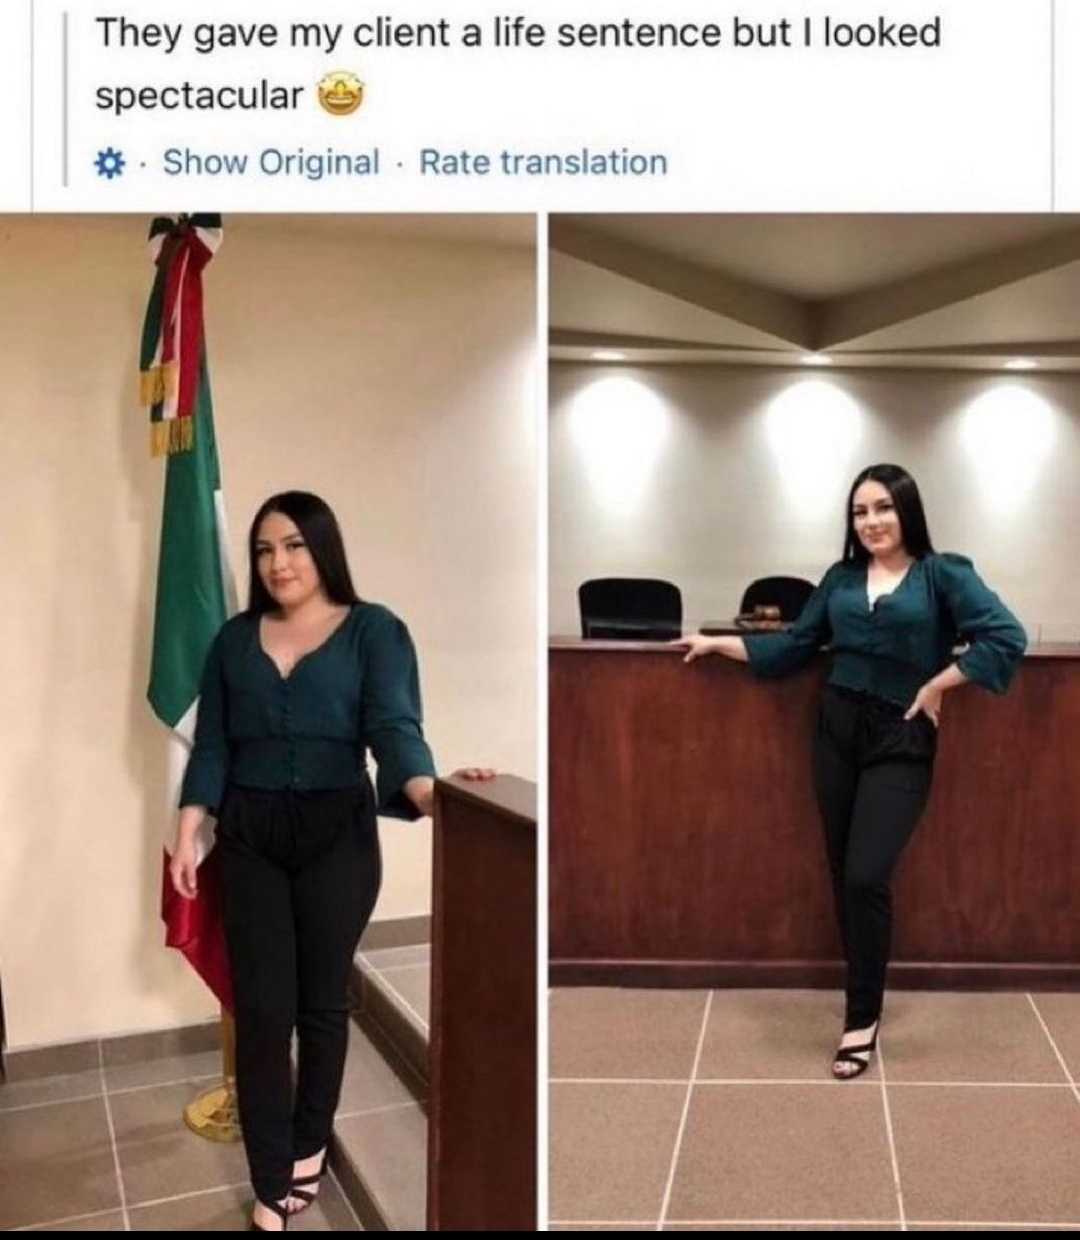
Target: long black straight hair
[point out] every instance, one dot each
(909, 509)
(318, 527)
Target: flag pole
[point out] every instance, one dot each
(213, 1115)
(195, 595)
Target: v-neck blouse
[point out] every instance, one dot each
(894, 646)
(357, 691)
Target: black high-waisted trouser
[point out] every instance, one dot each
(872, 773)
(300, 874)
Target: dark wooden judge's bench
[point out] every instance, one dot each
(686, 850)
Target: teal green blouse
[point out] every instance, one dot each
(891, 649)
(359, 690)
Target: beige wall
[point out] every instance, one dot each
(387, 366)
(712, 476)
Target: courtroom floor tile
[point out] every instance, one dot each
(370, 1083)
(779, 1225)
(65, 1087)
(401, 978)
(412, 983)
(994, 1153)
(158, 1156)
(1060, 1013)
(611, 1150)
(110, 1220)
(969, 1119)
(203, 1067)
(773, 1035)
(602, 1227)
(56, 1161)
(992, 1227)
(597, 1032)
(389, 1148)
(106, 1149)
(398, 957)
(967, 1037)
(794, 1151)
(229, 1209)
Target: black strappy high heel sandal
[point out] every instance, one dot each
(274, 1208)
(302, 1193)
(854, 1055)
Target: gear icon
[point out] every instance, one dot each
(109, 163)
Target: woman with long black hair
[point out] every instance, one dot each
(892, 611)
(295, 691)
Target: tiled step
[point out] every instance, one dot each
(380, 1134)
(391, 987)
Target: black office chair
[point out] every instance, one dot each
(630, 609)
(787, 593)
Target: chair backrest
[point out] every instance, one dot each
(630, 608)
(787, 593)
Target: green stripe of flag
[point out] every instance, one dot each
(191, 604)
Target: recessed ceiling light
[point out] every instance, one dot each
(815, 359)
(1021, 363)
(608, 355)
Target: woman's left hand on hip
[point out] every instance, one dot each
(927, 700)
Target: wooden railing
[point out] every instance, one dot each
(482, 1114)
(685, 846)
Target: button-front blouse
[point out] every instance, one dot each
(893, 647)
(359, 690)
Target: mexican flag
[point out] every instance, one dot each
(195, 589)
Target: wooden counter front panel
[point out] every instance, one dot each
(482, 1110)
(683, 826)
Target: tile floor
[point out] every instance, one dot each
(714, 1111)
(381, 1132)
(405, 972)
(105, 1149)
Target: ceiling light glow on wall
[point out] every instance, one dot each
(608, 355)
(815, 430)
(815, 359)
(1021, 363)
(1007, 433)
(618, 426)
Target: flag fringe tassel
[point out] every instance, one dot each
(172, 436)
(159, 384)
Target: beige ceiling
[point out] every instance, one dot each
(928, 291)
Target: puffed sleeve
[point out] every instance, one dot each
(208, 763)
(778, 654)
(997, 638)
(390, 714)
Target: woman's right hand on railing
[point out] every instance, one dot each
(696, 645)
